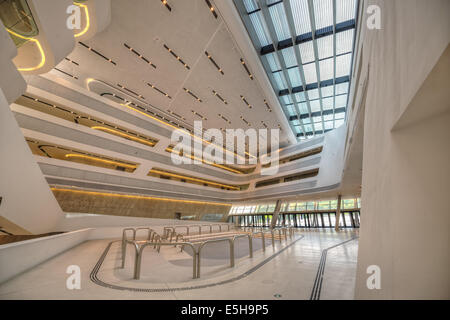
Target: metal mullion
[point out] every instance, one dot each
(316, 54)
(272, 34)
(334, 74)
(290, 20)
(252, 33)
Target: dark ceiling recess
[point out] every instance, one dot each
(139, 55)
(164, 2)
(176, 57)
(219, 96)
(97, 53)
(211, 8)
(214, 62)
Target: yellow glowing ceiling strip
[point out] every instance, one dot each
(168, 124)
(192, 179)
(38, 44)
(208, 162)
(124, 135)
(87, 19)
(73, 155)
(138, 197)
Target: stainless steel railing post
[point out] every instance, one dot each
(263, 241)
(250, 242)
(140, 250)
(199, 251)
(273, 239)
(124, 243)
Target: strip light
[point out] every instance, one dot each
(137, 197)
(38, 44)
(73, 155)
(206, 161)
(123, 135)
(192, 179)
(88, 23)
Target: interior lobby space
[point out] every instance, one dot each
(224, 150)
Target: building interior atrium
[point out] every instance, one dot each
(224, 150)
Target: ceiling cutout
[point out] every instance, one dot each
(246, 69)
(214, 62)
(139, 55)
(97, 53)
(131, 91)
(219, 96)
(66, 73)
(246, 102)
(159, 90)
(199, 115)
(192, 94)
(211, 8)
(224, 119)
(176, 57)
(75, 63)
(164, 2)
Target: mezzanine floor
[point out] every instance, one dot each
(295, 269)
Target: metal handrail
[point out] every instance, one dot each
(187, 228)
(208, 225)
(124, 243)
(212, 241)
(140, 249)
(250, 242)
(144, 228)
(197, 226)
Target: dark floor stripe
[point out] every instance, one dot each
(317, 287)
(96, 280)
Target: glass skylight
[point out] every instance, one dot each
(311, 69)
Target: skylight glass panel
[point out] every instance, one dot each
(327, 91)
(343, 64)
(290, 111)
(295, 122)
(323, 13)
(279, 20)
(317, 119)
(327, 103)
(315, 105)
(326, 68)
(308, 128)
(294, 77)
(345, 10)
(325, 46)
(338, 123)
(341, 101)
(289, 57)
(342, 88)
(340, 115)
(318, 126)
(303, 107)
(344, 41)
(250, 5)
(286, 100)
(310, 73)
(307, 52)
(260, 28)
(300, 97)
(307, 121)
(313, 94)
(300, 12)
(279, 80)
(328, 125)
(328, 117)
(273, 62)
(297, 129)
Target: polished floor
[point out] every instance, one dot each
(292, 269)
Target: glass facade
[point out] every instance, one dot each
(306, 48)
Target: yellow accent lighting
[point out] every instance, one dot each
(88, 23)
(138, 197)
(38, 44)
(192, 179)
(73, 155)
(124, 135)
